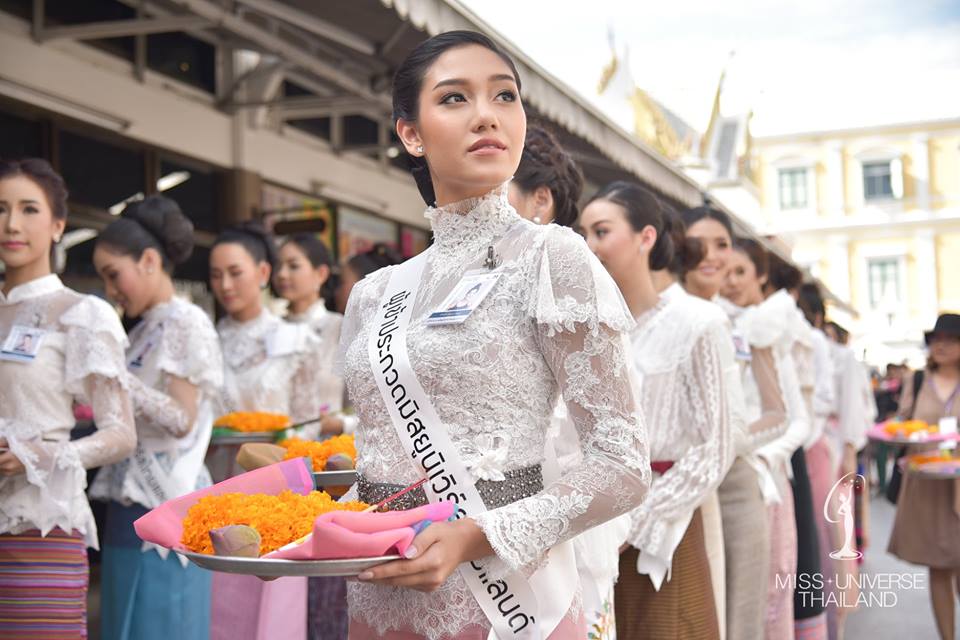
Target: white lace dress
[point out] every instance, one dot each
(269, 366)
(330, 388)
(553, 323)
(80, 359)
(682, 352)
(175, 339)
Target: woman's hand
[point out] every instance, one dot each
(434, 554)
(10, 464)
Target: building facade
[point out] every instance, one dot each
(875, 213)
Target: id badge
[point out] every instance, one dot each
(741, 347)
(464, 298)
(22, 344)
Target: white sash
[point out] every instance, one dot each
(515, 607)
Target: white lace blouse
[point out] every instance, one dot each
(553, 323)
(80, 359)
(681, 350)
(330, 388)
(174, 339)
(268, 366)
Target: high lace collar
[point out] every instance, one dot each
(467, 225)
(252, 326)
(314, 313)
(33, 289)
(160, 311)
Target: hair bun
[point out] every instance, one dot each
(164, 220)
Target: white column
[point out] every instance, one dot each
(925, 261)
(837, 275)
(920, 164)
(833, 163)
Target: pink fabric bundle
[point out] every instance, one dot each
(164, 525)
(351, 534)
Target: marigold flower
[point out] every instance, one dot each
(251, 421)
(280, 519)
(319, 451)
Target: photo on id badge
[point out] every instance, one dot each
(464, 298)
(23, 343)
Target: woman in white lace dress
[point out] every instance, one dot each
(682, 353)
(759, 417)
(175, 376)
(268, 366)
(303, 278)
(74, 354)
(767, 323)
(553, 323)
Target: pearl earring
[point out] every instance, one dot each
(419, 148)
(537, 220)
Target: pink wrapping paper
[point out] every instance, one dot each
(164, 525)
(352, 534)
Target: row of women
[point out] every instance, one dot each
(599, 403)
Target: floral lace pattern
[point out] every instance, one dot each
(553, 323)
(331, 390)
(681, 353)
(175, 339)
(80, 359)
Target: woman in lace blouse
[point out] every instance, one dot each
(268, 366)
(769, 323)
(758, 416)
(175, 377)
(681, 351)
(75, 355)
(552, 324)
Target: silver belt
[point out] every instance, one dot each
(516, 485)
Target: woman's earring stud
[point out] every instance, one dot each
(419, 148)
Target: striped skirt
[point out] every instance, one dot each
(43, 586)
(683, 608)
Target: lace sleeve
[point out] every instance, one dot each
(683, 487)
(798, 422)
(824, 393)
(589, 359)
(162, 412)
(852, 414)
(305, 400)
(190, 349)
(773, 412)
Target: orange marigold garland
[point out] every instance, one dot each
(279, 519)
(319, 451)
(252, 421)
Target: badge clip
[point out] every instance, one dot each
(492, 262)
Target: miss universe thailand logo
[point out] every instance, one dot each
(841, 510)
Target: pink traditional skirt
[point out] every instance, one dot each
(43, 586)
(248, 608)
(783, 562)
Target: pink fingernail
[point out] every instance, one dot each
(366, 575)
(410, 553)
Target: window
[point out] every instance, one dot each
(793, 188)
(884, 281)
(877, 180)
(98, 173)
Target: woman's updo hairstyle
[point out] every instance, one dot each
(318, 255)
(254, 238)
(545, 163)
(42, 174)
(408, 81)
(687, 252)
(757, 254)
(642, 209)
(692, 216)
(155, 222)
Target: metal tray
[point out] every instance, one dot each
(270, 568)
(878, 435)
(243, 437)
(937, 471)
(335, 478)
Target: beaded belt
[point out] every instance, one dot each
(516, 485)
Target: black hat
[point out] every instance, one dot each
(948, 323)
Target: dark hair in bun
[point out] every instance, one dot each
(377, 257)
(544, 163)
(687, 252)
(642, 209)
(155, 222)
(254, 238)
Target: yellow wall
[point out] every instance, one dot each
(945, 171)
(861, 250)
(948, 271)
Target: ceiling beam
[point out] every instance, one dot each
(313, 24)
(121, 28)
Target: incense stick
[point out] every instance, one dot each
(390, 499)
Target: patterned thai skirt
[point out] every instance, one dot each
(43, 586)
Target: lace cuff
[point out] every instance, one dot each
(572, 288)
